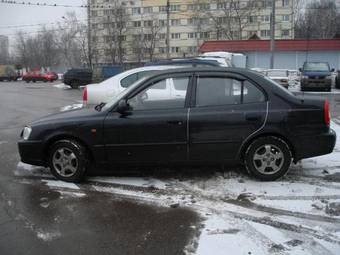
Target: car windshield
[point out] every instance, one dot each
(123, 93)
(316, 66)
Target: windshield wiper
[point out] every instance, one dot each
(100, 106)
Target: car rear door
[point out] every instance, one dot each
(154, 130)
(226, 109)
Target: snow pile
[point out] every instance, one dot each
(71, 107)
(61, 86)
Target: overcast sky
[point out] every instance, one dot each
(17, 15)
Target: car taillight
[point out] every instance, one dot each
(326, 114)
(85, 96)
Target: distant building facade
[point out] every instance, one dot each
(4, 49)
(191, 22)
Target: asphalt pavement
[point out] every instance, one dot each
(36, 219)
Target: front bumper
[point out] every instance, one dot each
(32, 152)
(316, 145)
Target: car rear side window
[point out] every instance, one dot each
(214, 91)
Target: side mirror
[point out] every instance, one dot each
(122, 106)
(332, 70)
(300, 69)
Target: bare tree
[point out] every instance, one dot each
(151, 36)
(321, 19)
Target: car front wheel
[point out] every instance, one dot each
(68, 160)
(268, 158)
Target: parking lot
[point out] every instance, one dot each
(204, 210)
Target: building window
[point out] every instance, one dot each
(162, 36)
(285, 17)
(192, 35)
(204, 6)
(162, 22)
(252, 19)
(285, 33)
(175, 36)
(190, 7)
(135, 10)
(265, 33)
(94, 13)
(162, 8)
(147, 9)
(175, 22)
(148, 37)
(267, 3)
(192, 49)
(175, 7)
(162, 50)
(223, 5)
(137, 24)
(204, 35)
(121, 38)
(147, 23)
(265, 18)
(285, 3)
(175, 49)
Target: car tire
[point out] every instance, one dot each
(74, 84)
(33, 80)
(68, 160)
(268, 158)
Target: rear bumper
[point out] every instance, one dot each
(316, 145)
(32, 152)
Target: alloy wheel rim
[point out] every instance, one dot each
(65, 162)
(268, 159)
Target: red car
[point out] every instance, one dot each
(40, 76)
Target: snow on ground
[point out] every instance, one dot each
(294, 215)
(61, 86)
(71, 107)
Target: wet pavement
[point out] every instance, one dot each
(37, 219)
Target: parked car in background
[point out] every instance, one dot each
(77, 77)
(222, 116)
(8, 73)
(337, 80)
(316, 76)
(105, 91)
(233, 59)
(281, 76)
(35, 76)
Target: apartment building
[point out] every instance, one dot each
(136, 30)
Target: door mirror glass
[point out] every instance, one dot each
(122, 106)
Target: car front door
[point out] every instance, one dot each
(227, 109)
(154, 130)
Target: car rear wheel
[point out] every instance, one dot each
(68, 160)
(74, 84)
(268, 158)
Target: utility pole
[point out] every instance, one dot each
(168, 29)
(89, 49)
(272, 35)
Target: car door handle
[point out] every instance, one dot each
(175, 122)
(253, 116)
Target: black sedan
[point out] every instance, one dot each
(190, 116)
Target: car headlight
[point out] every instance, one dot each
(26, 133)
(304, 77)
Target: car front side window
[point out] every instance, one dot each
(160, 95)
